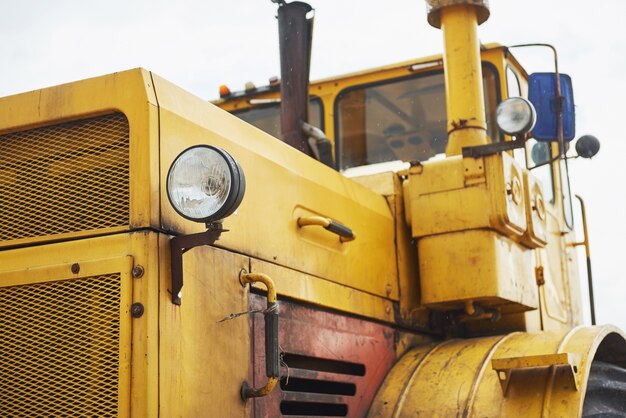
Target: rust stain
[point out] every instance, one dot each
(334, 361)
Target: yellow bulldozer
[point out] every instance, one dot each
(395, 242)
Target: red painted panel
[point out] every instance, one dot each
(337, 362)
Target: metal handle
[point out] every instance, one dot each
(585, 243)
(345, 233)
(272, 349)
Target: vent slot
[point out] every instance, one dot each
(319, 386)
(60, 347)
(294, 384)
(323, 365)
(309, 409)
(65, 178)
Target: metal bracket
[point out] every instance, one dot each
(490, 149)
(180, 245)
(474, 171)
(540, 276)
(506, 366)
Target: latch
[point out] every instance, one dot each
(539, 276)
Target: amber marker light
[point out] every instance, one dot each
(224, 90)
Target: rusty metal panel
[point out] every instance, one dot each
(332, 364)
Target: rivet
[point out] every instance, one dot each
(136, 310)
(75, 268)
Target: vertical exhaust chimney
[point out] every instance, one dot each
(465, 105)
(295, 32)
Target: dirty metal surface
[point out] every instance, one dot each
(332, 364)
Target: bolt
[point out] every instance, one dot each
(136, 310)
(75, 268)
(137, 272)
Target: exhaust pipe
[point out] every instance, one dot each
(295, 33)
(465, 104)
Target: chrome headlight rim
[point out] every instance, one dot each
(508, 106)
(235, 193)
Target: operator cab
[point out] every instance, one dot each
(382, 119)
(385, 115)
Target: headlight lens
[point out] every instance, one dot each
(516, 116)
(205, 184)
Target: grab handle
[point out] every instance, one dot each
(272, 349)
(345, 233)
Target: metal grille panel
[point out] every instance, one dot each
(65, 178)
(60, 348)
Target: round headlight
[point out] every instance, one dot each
(516, 116)
(205, 184)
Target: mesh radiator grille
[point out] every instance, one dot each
(60, 348)
(65, 178)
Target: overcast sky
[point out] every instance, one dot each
(202, 44)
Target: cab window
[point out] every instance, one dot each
(402, 119)
(512, 82)
(538, 155)
(267, 117)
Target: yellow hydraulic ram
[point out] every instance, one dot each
(516, 375)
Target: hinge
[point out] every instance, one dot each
(474, 170)
(539, 276)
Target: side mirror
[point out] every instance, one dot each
(540, 153)
(542, 94)
(587, 146)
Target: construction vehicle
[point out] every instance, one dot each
(406, 249)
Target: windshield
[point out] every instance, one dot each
(402, 119)
(267, 117)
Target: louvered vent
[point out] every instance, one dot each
(59, 354)
(333, 363)
(65, 178)
(319, 387)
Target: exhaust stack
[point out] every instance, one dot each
(295, 32)
(465, 103)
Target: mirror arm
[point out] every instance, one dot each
(552, 160)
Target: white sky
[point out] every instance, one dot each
(202, 44)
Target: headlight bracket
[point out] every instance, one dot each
(183, 243)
